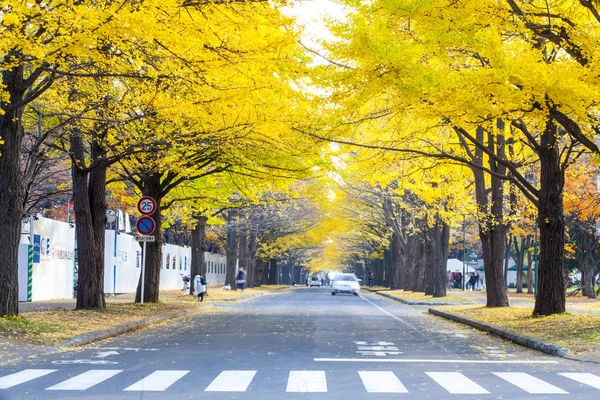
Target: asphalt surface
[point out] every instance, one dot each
(303, 343)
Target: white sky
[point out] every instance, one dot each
(311, 14)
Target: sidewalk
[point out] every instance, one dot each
(575, 305)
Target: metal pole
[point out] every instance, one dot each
(464, 249)
(143, 272)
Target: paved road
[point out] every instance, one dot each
(303, 343)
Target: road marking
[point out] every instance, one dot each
(444, 361)
(529, 383)
(86, 380)
(157, 381)
(307, 381)
(387, 313)
(26, 375)
(456, 383)
(381, 382)
(231, 381)
(585, 378)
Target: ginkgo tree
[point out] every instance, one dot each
(433, 68)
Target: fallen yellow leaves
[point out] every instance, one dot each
(420, 296)
(55, 326)
(577, 332)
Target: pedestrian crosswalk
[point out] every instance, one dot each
(312, 381)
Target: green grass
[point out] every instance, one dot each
(18, 326)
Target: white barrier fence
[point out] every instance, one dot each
(48, 274)
(47, 266)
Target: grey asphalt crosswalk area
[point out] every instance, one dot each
(303, 344)
(65, 383)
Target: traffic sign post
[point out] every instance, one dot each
(145, 226)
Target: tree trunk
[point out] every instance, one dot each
(429, 262)
(551, 294)
(198, 265)
(152, 187)
(440, 249)
(252, 273)
(387, 270)
(409, 264)
(89, 206)
(530, 271)
(396, 262)
(492, 230)
(419, 266)
(231, 249)
(11, 182)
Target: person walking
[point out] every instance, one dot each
(241, 279)
(200, 287)
(371, 277)
(473, 281)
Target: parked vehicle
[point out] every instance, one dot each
(314, 281)
(345, 283)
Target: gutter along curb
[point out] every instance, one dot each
(517, 338)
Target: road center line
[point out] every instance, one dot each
(444, 361)
(388, 313)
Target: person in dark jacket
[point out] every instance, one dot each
(241, 279)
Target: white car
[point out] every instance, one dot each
(345, 283)
(314, 281)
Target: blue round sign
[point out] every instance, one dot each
(145, 225)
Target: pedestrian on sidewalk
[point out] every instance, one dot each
(473, 281)
(241, 279)
(371, 277)
(200, 287)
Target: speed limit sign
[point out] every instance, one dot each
(146, 205)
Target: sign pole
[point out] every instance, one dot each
(143, 272)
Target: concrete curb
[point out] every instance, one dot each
(523, 340)
(90, 337)
(418, 303)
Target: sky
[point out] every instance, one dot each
(312, 14)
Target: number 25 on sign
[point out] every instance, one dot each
(146, 205)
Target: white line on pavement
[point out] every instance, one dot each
(26, 375)
(157, 381)
(456, 383)
(529, 383)
(381, 382)
(388, 313)
(231, 381)
(444, 361)
(307, 381)
(585, 378)
(86, 380)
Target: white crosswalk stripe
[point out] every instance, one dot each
(382, 382)
(157, 381)
(529, 383)
(26, 375)
(456, 383)
(86, 380)
(585, 378)
(231, 381)
(307, 381)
